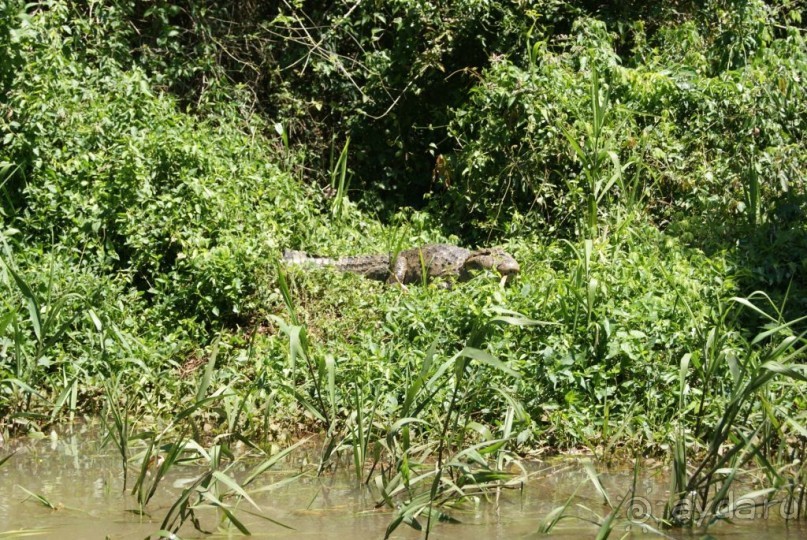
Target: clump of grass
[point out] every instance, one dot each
(36, 330)
(601, 167)
(214, 489)
(464, 472)
(42, 500)
(756, 418)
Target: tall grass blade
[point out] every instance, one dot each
(594, 478)
(6, 458)
(64, 395)
(34, 310)
(233, 485)
(267, 464)
(488, 359)
(557, 514)
(40, 499)
(339, 182)
(207, 376)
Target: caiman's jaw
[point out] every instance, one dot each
(508, 270)
(506, 266)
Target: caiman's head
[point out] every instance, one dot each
(494, 259)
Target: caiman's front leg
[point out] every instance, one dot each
(398, 271)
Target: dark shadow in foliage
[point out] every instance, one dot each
(769, 256)
(772, 256)
(384, 74)
(620, 17)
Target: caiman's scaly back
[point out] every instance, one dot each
(438, 261)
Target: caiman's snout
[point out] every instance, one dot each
(508, 267)
(503, 263)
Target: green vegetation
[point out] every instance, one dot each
(645, 165)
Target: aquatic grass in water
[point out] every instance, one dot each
(754, 420)
(619, 513)
(41, 500)
(119, 432)
(215, 489)
(464, 474)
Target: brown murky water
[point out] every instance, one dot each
(84, 482)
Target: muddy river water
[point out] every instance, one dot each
(84, 483)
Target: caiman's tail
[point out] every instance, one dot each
(291, 256)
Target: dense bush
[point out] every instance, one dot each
(397, 77)
(693, 136)
(386, 74)
(11, 13)
(187, 209)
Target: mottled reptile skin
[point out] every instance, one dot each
(438, 260)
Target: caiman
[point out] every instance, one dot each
(439, 261)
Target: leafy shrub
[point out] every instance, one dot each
(11, 15)
(670, 120)
(514, 155)
(188, 209)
